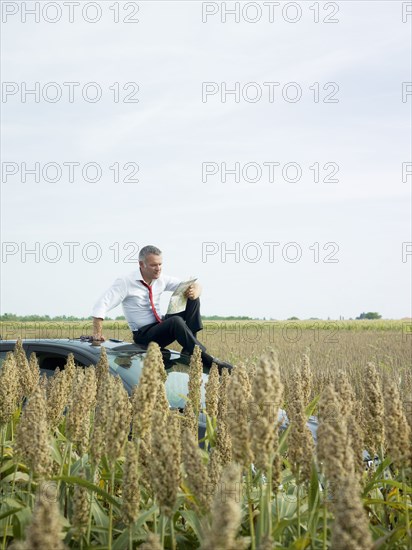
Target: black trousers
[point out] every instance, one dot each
(176, 326)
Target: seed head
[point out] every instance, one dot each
(102, 367)
(237, 417)
(350, 530)
(397, 431)
(131, 492)
(267, 392)
(32, 441)
(195, 380)
(165, 465)
(58, 392)
(119, 426)
(196, 470)
(214, 470)
(81, 508)
(307, 378)
(82, 400)
(226, 513)
(374, 409)
(333, 446)
(102, 417)
(28, 376)
(190, 421)
(9, 389)
(144, 394)
(45, 530)
(300, 441)
(212, 391)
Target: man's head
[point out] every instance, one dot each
(150, 262)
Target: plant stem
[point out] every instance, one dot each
(89, 525)
(298, 499)
(66, 498)
(62, 464)
(162, 530)
(250, 507)
(325, 517)
(269, 498)
(172, 534)
(29, 488)
(405, 496)
(130, 537)
(111, 508)
(3, 442)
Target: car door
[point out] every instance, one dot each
(52, 356)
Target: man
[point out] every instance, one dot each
(139, 293)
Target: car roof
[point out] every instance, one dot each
(78, 344)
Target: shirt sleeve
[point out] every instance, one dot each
(110, 299)
(171, 283)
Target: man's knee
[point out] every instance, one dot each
(175, 321)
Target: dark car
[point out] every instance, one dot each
(125, 359)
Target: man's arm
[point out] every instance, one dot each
(110, 299)
(97, 329)
(194, 291)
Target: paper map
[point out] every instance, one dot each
(178, 300)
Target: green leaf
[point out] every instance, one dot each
(389, 503)
(313, 487)
(101, 519)
(376, 477)
(18, 476)
(91, 486)
(210, 430)
(20, 521)
(9, 512)
(122, 542)
(56, 454)
(193, 520)
(312, 406)
(9, 464)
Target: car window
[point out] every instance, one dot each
(129, 365)
(50, 361)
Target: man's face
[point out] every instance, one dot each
(151, 267)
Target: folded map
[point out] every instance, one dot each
(178, 299)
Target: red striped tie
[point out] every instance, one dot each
(158, 319)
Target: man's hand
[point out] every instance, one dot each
(97, 330)
(193, 291)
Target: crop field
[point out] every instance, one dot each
(83, 465)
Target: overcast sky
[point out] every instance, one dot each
(318, 129)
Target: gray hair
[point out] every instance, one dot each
(149, 249)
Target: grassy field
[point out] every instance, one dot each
(84, 466)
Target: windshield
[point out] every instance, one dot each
(129, 364)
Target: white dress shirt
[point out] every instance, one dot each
(134, 297)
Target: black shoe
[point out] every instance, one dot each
(222, 365)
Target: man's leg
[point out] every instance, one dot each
(191, 315)
(171, 329)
